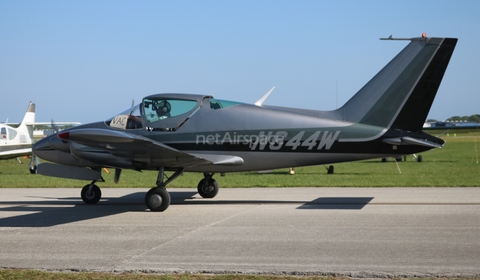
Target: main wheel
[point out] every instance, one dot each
(91, 196)
(157, 199)
(330, 169)
(33, 169)
(207, 188)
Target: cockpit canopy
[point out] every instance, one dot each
(156, 109)
(164, 112)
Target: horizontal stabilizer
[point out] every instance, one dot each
(411, 141)
(69, 172)
(56, 123)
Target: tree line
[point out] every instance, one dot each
(472, 118)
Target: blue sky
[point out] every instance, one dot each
(86, 60)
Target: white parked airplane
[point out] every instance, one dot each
(17, 142)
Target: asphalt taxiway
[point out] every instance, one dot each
(360, 232)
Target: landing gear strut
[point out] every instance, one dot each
(158, 199)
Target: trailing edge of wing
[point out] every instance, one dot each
(15, 153)
(411, 141)
(221, 159)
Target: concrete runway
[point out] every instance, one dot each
(359, 232)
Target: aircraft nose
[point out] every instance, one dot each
(41, 149)
(48, 148)
(59, 144)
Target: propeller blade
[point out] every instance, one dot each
(54, 127)
(116, 178)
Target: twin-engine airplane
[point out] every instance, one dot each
(198, 133)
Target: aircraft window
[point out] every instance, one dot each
(160, 109)
(216, 104)
(3, 132)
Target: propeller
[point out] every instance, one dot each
(54, 127)
(116, 178)
(133, 106)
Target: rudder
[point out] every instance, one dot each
(401, 94)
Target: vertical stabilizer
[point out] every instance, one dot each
(401, 94)
(29, 117)
(26, 127)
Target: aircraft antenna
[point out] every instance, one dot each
(261, 100)
(336, 94)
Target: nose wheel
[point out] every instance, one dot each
(207, 187)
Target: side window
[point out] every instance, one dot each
(3, 132)
(160, 109)
(216, 104)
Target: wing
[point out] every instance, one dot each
(143, 149)
(15, 153)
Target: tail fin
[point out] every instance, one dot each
(28, 120)
(401, 94)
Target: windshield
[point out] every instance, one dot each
(157, 109)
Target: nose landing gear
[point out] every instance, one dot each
(207, 187)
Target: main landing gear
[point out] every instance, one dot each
(91, 193)
(157, 199)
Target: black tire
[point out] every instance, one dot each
(157, 199)
(330, 169)
(207, 188)
(92, 196)
(419, 158)
(33, 169)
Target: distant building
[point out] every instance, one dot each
(451, 125)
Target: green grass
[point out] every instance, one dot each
(13, 274)
(454, 165)
(35, 274)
